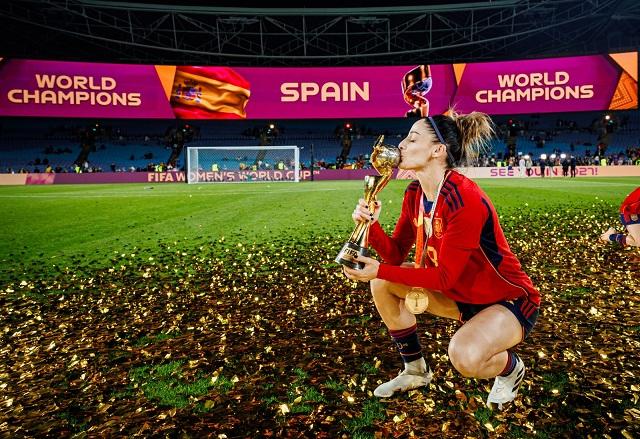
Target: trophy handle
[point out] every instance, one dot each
(360, 234)
(384, 159)
(377, 149)
(373, 184)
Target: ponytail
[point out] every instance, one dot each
(466, 136)
(476, 131)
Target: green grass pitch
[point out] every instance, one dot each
(174, 310)
(49, 224)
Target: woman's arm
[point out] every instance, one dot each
(395, 248)
(461, 237)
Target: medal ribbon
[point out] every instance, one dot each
(425, 226)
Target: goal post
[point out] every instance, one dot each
(224, 164)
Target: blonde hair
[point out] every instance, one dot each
(476, 131)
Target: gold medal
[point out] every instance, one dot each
(416, 301)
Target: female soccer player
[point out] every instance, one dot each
(463, 262)
(630, 219)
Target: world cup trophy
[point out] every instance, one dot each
(416, 83)
(384, 158)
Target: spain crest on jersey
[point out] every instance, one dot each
(437, 228)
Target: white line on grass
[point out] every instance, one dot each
(147, 193)
(572, 184)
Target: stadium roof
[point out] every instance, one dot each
(315, 33)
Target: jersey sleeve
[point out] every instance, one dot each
(631, 204)
(461, 237)
(394, 249)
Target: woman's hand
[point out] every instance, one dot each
(368, 272)
(362, 212)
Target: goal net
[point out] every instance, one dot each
(219, 164)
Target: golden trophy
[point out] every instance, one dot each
(384, 158)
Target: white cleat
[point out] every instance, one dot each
(505, 389)
(406, 380)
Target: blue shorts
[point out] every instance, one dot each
(627, 220)
(525, 311)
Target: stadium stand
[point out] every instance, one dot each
(127, 145)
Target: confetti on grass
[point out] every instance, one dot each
(271, 340)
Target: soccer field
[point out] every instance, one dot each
(60, 225)
(192, 310)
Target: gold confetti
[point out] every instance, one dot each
(245, 327)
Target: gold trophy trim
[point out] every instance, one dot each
(385, 159)
(416, 83)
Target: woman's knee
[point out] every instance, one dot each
(379, 287)
(465, 357)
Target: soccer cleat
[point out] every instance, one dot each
(505, 389)
(406, 380)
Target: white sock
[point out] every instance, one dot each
(416, 367)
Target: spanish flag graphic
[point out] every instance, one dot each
(209, 93)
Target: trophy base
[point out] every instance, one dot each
(349, 252)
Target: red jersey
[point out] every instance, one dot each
(630, 208)
(467, 256)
